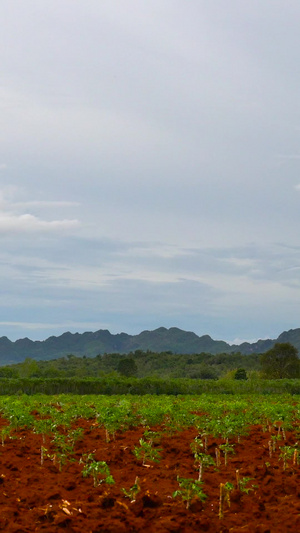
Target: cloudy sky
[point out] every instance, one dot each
(150, 167)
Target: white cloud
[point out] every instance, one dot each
(51, 326)
(30, 223)
(13, 221)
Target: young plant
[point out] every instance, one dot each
(273, 441)
(100, 472)
(59, 458)
(110, 420)
(145, 452)
(19, 419)
(189, 489)
(287, 452)
(226, 449)
(75, 435)
(5, 432)
(278, 424)
(242, 485)
(202, 460)
(225, 489)
(43, 427)
(197, 445)
(64, 450)
(133, 491)
(203, 436)
(153, 437)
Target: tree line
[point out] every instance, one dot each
(281, 361)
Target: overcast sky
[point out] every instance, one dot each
(150, 167)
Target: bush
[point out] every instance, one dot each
(127, 367)
(240, 374)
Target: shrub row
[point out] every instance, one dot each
(119, 385)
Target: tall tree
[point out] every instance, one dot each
(281, 361)
(127, 367)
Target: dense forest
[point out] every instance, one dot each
(138, 364)
(149, 372)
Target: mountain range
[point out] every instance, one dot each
(159, 340)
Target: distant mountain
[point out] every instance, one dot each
(102, 341)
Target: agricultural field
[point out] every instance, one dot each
(95, 463)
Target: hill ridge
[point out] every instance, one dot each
(101, 341)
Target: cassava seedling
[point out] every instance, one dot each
(197, 445)
(100, 472)
(146, 452)
(225, 489)
(133, 491)
(189, 489)
(287, 452)
(202, 460)
(5, 432)
(152, 436)
(64, 449)
(226, 449)
(202, 437)
(278, 424)
(242, 485)
(60, 458)
(44, 427)
(274, 440)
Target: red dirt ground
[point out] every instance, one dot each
(41, 498)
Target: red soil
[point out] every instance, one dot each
(41, 498)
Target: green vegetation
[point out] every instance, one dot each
(132, 492)
(240, 374)
(281, 361)
(243, 485)
(127, 367)
(217, 420)
(98, 470)
(133, 386)
(146, 452)
(189, 489)
(139, 372)
(136, 364)
(221, 419)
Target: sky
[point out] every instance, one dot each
(149, 167)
